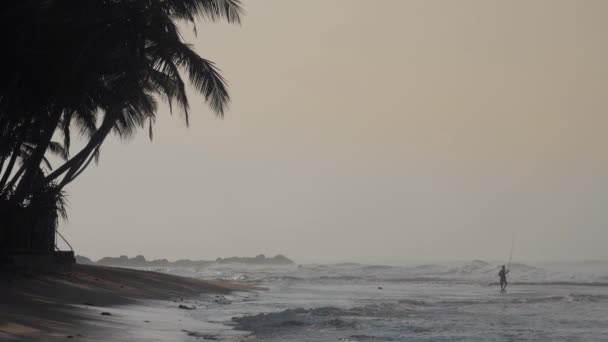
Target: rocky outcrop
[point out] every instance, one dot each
(140, 261)
(258, 260)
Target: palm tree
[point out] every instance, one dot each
(98, 66)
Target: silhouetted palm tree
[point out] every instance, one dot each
(98, 66)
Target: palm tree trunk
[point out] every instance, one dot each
(13, 181)
(10, 166)
(72, 165)
(7, 142)
(32, 164)
(2, 160)
(73, 174)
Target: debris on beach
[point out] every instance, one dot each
(206, 337)
(222, 300)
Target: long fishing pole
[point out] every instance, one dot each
(511, 254)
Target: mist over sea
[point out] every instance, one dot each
(430, 302)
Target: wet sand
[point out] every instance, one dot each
(96, 303)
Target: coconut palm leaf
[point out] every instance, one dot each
(230, 10)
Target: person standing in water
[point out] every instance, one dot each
(503, 278)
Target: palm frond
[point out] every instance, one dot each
(214, 10)
(67, 135)
(205, 77)
(47, 163)
(140, 108)
(170, 73)
(58, 150)
(61, 205)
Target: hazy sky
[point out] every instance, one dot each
(374, 131)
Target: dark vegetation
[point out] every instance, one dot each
(87, 69)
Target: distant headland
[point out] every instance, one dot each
(140, 261)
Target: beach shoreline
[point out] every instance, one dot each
(97, 303)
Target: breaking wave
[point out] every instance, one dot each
(429, 302)
(474, 272)
(343, 318)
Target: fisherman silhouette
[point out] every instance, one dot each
(503, 278)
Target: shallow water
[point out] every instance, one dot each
(352, 302)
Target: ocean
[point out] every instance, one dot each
(430, 302)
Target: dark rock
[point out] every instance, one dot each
(185, 307)
(338, 323)
(222, 300)
(83, 260)
(292, 323)
(106, 314)
(207, 337)
(258, 260)
(140, 261)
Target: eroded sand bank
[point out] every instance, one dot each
(95, 303)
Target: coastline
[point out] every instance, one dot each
(97, 303)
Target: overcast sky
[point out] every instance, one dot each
(374, 131)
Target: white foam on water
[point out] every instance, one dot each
(436, 302)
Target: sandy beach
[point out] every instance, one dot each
(96, 303)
